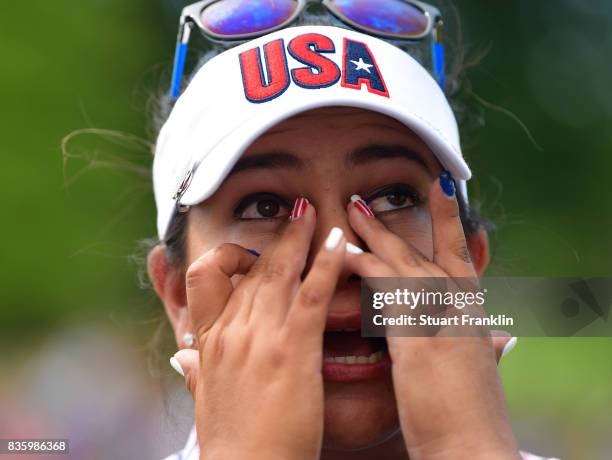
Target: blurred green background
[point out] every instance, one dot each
(71, 230)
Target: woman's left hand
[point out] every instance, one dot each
(449, 395)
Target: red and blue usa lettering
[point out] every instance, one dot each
(359, 67)
(256, 88)
(308, 50)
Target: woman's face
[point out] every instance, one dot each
(327, 155)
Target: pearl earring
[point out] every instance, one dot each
(189, 339)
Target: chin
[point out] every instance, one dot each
(359, 415)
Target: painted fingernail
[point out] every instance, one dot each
(352, 249)
(176, 366)
(362, 206)
(448, 184)
(254, 252)
(333, 239)
(509, 346)
(299, 208)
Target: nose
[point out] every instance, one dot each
(330, 215)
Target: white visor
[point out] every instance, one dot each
(241, 93)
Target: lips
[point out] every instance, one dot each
(349, 357)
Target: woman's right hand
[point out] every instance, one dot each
(257, 381)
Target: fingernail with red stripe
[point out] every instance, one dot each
(299, 208)
(361, 205)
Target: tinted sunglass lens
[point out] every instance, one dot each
(238, 17)
(386, 16)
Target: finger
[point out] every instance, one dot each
(451, 251)
(308, 313)
(280, 273)
(208, 283)
(366, 265)
(186, 363)
(503, 343)
(389, 247)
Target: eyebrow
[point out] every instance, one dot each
(376, 152)
(361, 156)
(272, 160)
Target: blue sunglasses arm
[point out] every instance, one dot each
(180, 55)
(438, 63)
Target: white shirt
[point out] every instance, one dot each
(191, 451)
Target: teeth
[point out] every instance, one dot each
(373, 358)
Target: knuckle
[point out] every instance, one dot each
(195, 272)
(276, 352)
(376, 264)
(204, 332)
(231, 343)
(310, 297)
(455, 215)
(191, 383)
(216, 343)
(246, 338)
(411, 258)
(205, 264)
(460, 249)
(272, 270)
(325, 263)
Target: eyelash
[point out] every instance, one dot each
(252, 199)
(382, 192)
(401, 189)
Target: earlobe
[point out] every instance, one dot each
(169, 284)
(478, 245)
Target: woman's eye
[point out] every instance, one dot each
(392, 198)
(262, 207)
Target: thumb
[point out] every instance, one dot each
(187, 363)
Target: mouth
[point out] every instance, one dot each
(348, 357)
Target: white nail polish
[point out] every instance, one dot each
(176, 366)
(509, 346)
(333, 239)
(352, 249)
(355, 198)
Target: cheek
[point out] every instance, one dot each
(255, 236)
(413, 227)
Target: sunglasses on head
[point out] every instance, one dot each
(240, 20)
